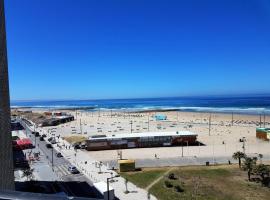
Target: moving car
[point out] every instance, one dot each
(58, 154)
(73, 170)
(53, 141)
(48, 146)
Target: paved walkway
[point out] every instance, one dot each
(97, 172)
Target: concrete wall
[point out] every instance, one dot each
(6, 161)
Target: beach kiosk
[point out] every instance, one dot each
(126, 165)
(263, 133)
(160, 117)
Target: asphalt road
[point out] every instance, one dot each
(74, 184)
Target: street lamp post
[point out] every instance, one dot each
(148, 122)
(243, 140)
(52, 158)
(108, 186)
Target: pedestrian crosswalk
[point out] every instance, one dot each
(62, 170)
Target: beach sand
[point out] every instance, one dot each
(221, 141)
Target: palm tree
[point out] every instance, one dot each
(249, 165)
(28, 173)
(239, 155)
(260, 157)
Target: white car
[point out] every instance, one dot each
(73, 170)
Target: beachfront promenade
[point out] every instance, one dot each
(91, 169)
(97, 172)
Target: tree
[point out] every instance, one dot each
(28, 173)
(239, 155)
(260, 157)
(263, 171)
(249, 165)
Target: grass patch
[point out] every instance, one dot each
(200, 183)
(143, 178)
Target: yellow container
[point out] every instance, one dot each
(126, 165)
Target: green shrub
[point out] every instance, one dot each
(178, 188)
(172, 176)
(168, 184)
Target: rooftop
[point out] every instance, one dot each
(144, 134)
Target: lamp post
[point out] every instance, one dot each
(131, 126)
(148, 122)
(209, 124)
(52, 158)
(243, 140)
(108, 186)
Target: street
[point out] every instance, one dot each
(73, 184)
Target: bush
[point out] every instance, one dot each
(168, 184)
(178, 188)
(172, 176)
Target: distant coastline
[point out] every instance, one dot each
(241, 105)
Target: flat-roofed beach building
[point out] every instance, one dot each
(140, 140)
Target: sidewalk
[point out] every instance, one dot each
(98, 174)
(42, 169)
(91, 169)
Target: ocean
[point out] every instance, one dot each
(245, 105)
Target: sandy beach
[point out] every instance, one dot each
(221, 141)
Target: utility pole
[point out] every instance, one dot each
(260, 120)
(131, 126)
(81, 125)
(52, 159)
(148, 122)
(232, 118)
(264, 120)
(210, 124)
(182, 150)
(244, 144)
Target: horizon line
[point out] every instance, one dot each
(164, 97)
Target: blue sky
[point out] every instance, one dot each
(90, 49)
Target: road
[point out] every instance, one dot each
(73, 184)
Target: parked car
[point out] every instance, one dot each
(44, 135)
(41, 138)
(58, 154)
(83, 146)
(48, 146)
(36, 134)
(50, 139)
(77, 146)
(73, 170)
(53, 141)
